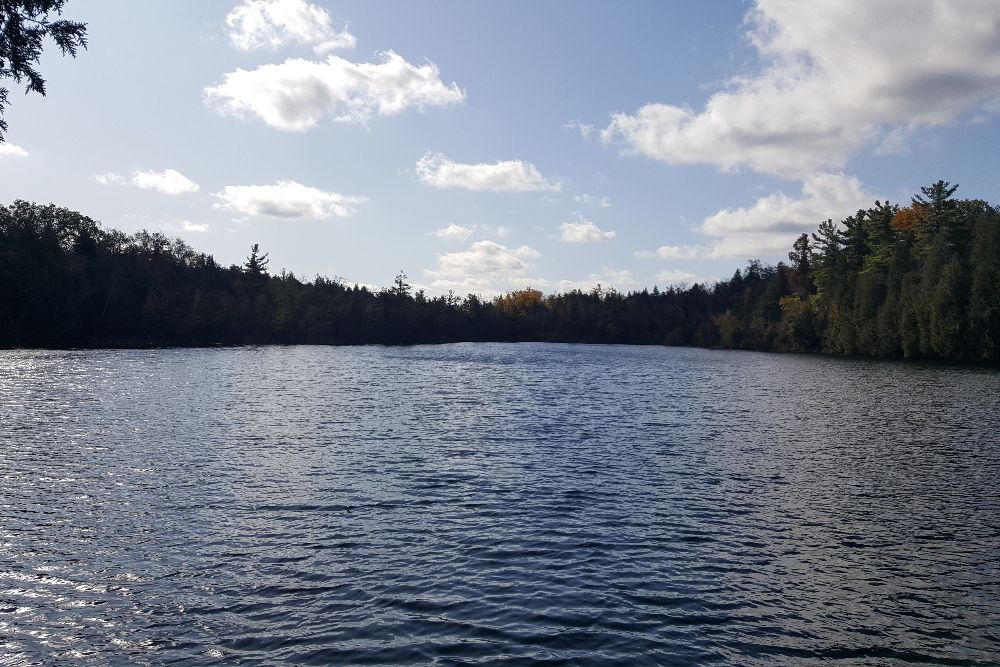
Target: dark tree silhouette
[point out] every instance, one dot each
(922, 281)
(256, 264)
(24, 25)
(801, 259)
(800, 254)
(400, 287)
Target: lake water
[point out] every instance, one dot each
(531, 503)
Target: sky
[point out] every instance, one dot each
(488, 146)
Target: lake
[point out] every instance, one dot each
(487, 503)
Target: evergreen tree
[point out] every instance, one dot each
(256, 264)
(401, 288)
(859, 287)
(24, 25)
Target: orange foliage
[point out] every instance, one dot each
(907, 219)
(519, 301)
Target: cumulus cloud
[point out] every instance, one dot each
(754, 246)
(109, 178)
(484, 268)
(12, 150)
(287, 199)
(592, 200)
(296, 94)
(838, 76)
(768, 227)
(583, 231)
(622, 280)
(674, 277)
(485, 257)
(507, 274)
(272, 24)
(168, 181)
(194, 227)
(186, 227)
(454, 232)
(823, 196)
(436, 170)
(673, 252)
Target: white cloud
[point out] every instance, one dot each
(768, 227)
(194, 227)
(673, 252)
(454, 232)
(754, 246)
(12, 150)
(371, 287)
(838, 76)
(586, 130)
(583, 231)
(486, 267)
(272, 24)
(168, 181)
(485, 257)
(823, 196)
(592, 200)
(296, 94)
(109, 178)
(438, 171)
(622, 280)
(508, 275)
(675, 277)
(467, 285)
(186, 227)
(287, 199)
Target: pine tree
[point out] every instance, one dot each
(256, 264)
(24, 25)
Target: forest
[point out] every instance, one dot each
(915, 281)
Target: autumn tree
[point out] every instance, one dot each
(906, 220)
(519, 302)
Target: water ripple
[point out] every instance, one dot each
(537, 504)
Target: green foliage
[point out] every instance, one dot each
(798, 323)
(915, 282)
(256, 264)
(984, 297)
(923, 281)
(24, 25)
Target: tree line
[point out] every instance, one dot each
(920, 281)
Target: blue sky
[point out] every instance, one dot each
(506, 144)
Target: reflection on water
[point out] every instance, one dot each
(547, 503)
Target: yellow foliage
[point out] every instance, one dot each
(729, 328)
(520, 301)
